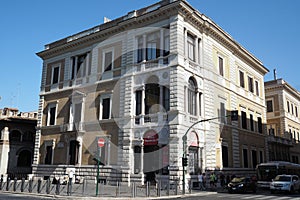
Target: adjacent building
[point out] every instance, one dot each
(283, 122)
(16, 142)
(139, 82)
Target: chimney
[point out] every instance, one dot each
(275, 74)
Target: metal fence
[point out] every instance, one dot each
(88, 188)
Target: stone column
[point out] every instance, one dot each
(4, 150)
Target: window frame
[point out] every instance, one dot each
(267, 105)
(242, 78)
(58, 75)
(250, 84)
(101, 112)
(49, 114)
(191, 47)
(104, 52)
(221, 65)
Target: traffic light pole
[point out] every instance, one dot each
(233, 115)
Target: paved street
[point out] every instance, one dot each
(263, 195)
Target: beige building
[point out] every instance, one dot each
(16, 142)
(283, 121)
(140, 82)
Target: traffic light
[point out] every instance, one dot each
(184, 162)
(234, 115)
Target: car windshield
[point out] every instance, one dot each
(283, 178)
(237, 180)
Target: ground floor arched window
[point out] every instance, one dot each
(24, 159)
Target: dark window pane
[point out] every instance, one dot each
(106, 108)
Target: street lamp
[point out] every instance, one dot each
(234, 117)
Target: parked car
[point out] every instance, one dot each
(242, 184)
(286, 183)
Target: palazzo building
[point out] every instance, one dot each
(283, 123)
(140, 82)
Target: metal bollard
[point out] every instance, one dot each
(7, 184)
(83, 186)
(148, 189)
(48, 186)
(133, 190)
(158, 188)
(57, 189)
(30, 185)
(15, 184)
(39, 186)
(22, 184)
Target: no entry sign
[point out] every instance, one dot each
(101, 142)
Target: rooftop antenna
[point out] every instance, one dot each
(275, 74)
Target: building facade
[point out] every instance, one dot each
(140, 82)
(16, 142)
(283, 122)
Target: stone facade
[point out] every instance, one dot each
(16, 142)
(283, 122)
(140, 82)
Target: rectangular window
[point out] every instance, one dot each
(296, 111)
(138, 102)
(108, 61)
(269, 106)
(77, 112)
(153, 43)
(222, 113)
(140, 50)
(288, 106)
(51, 114)
(79, 66)
(106, 108)
(242, 81)
(254, 158)
(191, 47)
(55, 75)
(251, 123)
(292, 108)
(250, 84)
(257, 88)
(166, 98)
(259, 124)
(245, 158)
(221, 66)
(244, 120)
(166, 50)
(48, 155)
(261, 157)
(225, 156)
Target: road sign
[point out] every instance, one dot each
(101, 142)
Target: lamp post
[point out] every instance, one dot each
(234, 117)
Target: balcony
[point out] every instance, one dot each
(151, 118)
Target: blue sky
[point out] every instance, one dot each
(269, 29)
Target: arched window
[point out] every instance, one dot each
(192, 96)
(24, 159)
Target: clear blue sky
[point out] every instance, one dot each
(269, 29)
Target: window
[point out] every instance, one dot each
(51, 114)
(259, 124)
(269, 106)
(55, 74)
(296, 111)
(292, 108)
(250, 84)
(244, 120)
(108, 60)
(48, 155)
(105, 108)
(225, 156)
(257, 88)
(288, 106)
(73, 152)
(191, 97)
(242, 81)
(153, 43)
(78, 66)
(245, 158)
(140, 50)
(251, 123)
(152, 96)
(261, 157)
(193, 160)
(166, 50)
(222, 113)
(166, 98)
(191, 47)
(138, 102)
(221, 66)
(271, 131)
(137, 159)
(254, 158)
